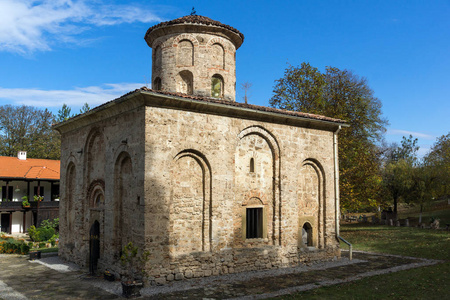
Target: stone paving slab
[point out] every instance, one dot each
(22, 279)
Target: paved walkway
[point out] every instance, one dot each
(24, 279)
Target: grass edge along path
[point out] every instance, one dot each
(422, 282)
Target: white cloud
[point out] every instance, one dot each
(407, 133)
(93, 95)
(27, 26)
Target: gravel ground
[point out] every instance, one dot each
(58, 264)
(213, 282)
(183, 285)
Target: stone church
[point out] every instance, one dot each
(205, 184)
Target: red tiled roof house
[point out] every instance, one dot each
(26, 177)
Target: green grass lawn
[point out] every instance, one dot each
(431, 282)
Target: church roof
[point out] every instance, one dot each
(247, 106)
(30, 168)
(194, 19)
(251, 107)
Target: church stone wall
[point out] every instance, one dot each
(91, 157)
(178, 184)
(198, 184)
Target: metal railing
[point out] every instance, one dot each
(349, 246)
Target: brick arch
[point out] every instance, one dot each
(184, 36)
(321, 214)
(206, 178)
(95, 188)
(254, 194)
(276, 200)
(217, 40)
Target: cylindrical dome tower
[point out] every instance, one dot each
(194, 55)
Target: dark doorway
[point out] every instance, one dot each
(94, 247)
(307, 235)
(5, 223)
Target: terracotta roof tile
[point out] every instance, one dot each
(31, 168)
(224, 102)
(194, 19)
(249, 106)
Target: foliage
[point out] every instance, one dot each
(26, 128)
(85, 108)
(408, 179)
(41, 234)
(134, 261)
(64, 114)
(25, 203)
(12, 246)
(51, 224)
(341, 94)
(399, 170)
(438, 161)
(38, 198)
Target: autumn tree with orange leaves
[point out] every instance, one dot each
(341, 94)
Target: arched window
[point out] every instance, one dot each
(217, 86)
(157, 84)
(307, 235)
(157, 58)
(252, 165)
(69, 201)
(218, 56)
(185, 55)
(185, 82)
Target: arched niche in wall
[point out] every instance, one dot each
(190, 207)
(124, 201)
(69, 199)
(156, 84)
(312, 204)
(185, 82)
(217, 56)
(185, 53)
(257, 148)
(157, 58)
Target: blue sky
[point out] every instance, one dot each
(60, 51)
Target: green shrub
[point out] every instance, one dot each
(51, 224)
(11, 246)
(53, 239)
(32, 232)
(41, 234)
(41, 245)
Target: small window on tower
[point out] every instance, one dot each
(217, 86)
(157, 84)
(252, 165)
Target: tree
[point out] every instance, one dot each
(85, 108)
(246, 86)
(401, 178)
(420, 189)
(64, 113)
(26, 128)
(341, 94)
(438, 161)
